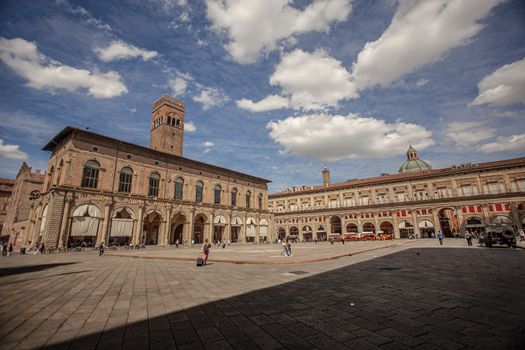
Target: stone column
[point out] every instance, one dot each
(435, 216)
(140, 223)
(459, 215)
(167, 230)
(414, 222)
(30, 225)
(397, 235)
(192, 224)
(228, 228)
(376, 223)
(51, 232)
(486, 214)
(515, 215)
(103, 236)
(36, 227)
(64, 228)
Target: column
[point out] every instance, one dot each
(192, 228)
(515, 216)
(414, 222)
(459, 215)
(36, 227)
(397, 235)
(65, 224)
(140, 223)
(167, 229)
(486, 214)
(435, 216)
(376, 223)
(104, 235)
(228, 228)
(30, 225)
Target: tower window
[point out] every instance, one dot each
(248, 199)
(234, 197)
(90, 174)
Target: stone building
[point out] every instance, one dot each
(100, 189)
(6, 188)
(19, 204)
(417, 201)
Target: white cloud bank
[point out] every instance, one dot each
(255, 27)
(207, 145)
(23, 57)
(11, 151)
(210, 97)
(119, 50)
(331, 138)
(505, 86)
(514, 143)
(421, 32)
(189, 127)
(269, 103)
(465, 134)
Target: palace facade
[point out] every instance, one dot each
(416, 202)
(100, 189)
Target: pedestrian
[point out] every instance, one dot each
(101, 249)
(285, 249)
(10, 249)
(289, 246)
(468, 237)
(42, 248)
(192, 242)
(205, 250)
(177, 243)
(4, 249)
(440, 237)
(343, 241)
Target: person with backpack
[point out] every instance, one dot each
(205, 250)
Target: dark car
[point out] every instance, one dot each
(498, 234)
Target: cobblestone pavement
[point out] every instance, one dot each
(423, 297)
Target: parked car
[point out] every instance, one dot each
(498, 234)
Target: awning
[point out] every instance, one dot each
(121, 227)
(84, 226)
(426, 224)
(219, 220)
(236, 221)
(88, 209)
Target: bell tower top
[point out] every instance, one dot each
(167, 125)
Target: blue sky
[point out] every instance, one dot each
(277, 88)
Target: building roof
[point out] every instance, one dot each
(55, 141)
(391, 178)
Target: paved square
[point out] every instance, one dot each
(414, 295)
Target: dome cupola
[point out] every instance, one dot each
(413, 163)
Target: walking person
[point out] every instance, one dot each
(468, 237)
(101, 249)
(4, 249)
(289, 246)
(42, 248)
(285, 249)
(205, 250)
(440, 237)
(10, 249)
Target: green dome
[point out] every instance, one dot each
(413, 163)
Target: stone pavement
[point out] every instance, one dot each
(425, 297)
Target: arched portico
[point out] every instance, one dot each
(448, 221)
(84, 225)
(369, 227)
(387, 228)
(307, 233)
(352, 228)
(219, 224)
(151, 228)
(122, 224)
(406, 229)
(281, 233)
(178, 223)
(321, 233)
(426, 228)
(235, 227)
(199, 225)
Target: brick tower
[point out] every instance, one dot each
(167, 125)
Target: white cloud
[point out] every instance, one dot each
(420, 33)
(330, 138)
(466, 134)
(23, 57)
(422, 82)
(309, 80)
(79, 10)
(514, 143)
(189, 127)
(207, 145)
(255, 27)
(178, 85)
(119, 50)
(504, 86)
(11, 151)
(169, 4)
(269, 103)
(211, 97)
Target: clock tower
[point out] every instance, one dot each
(167, 125)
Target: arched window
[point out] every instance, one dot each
(90, 174)
(126, 175)
(217, 194)
(198, 191)
(248, 199)
(169, 120)
(260, 200)
(154, 180)
(179, 185)
(234, 197)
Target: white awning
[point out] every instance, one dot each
(263, 232)
(87, 210)
(250, 231)
(426, 224)
(263, 222)
(250, 221)
(236, 221)
(84, 226)
(121, 227)
(219, 220)
(405, 224)
(124, 209)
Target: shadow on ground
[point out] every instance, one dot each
(438, 299)
(8, 271)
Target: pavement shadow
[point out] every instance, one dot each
(429, 297)
(9, 271)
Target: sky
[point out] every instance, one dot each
(273, 88)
